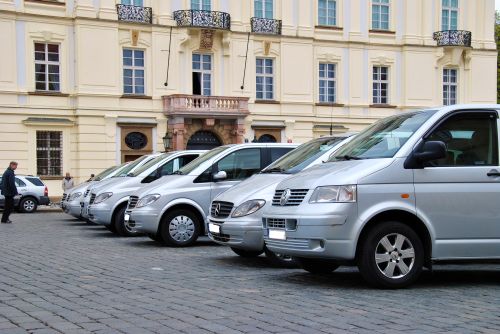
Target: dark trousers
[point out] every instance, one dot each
(8, 208)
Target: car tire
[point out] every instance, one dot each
(110, 228)
(180, 228)
(391, 256)
(154, 237)
(317, 266)
(246, 253)
(28, 205)
(120, 227)
(280, 260)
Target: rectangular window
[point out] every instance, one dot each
(265, 79)
(47, 64)
(327, 12)
(449, 86)
(201, 5)
(133, 72)
(380, 14)
(327, 83)
(202, 74)
(380, 85)
(449, 15)
(263, 9)
(49, 153)
(139, 3)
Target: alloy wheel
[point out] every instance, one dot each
(394, 256)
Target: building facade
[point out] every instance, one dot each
(85, 84)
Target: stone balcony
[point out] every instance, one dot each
(198, 106)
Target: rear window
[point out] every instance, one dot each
(35, 181)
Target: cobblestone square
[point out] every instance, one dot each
(59, 275)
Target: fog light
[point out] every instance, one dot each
(322, 243)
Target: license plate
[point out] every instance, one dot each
(277, 234)
(126, 218)
(214, 228)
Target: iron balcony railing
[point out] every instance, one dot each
(131, 13)
(453, 38)
(265, 26)
(203, 19)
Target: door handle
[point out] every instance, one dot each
(493, 173)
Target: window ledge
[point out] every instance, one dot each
(47, 2)
(267, 102)
(326, 104)
(383, 106)
(137, 97)
(329, 27)
(47, 93)
(51, 177)
(380, 31)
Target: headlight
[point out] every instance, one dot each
(147, 200)
(102, 197)
(334, 194)
(74, 196)
(248, 208)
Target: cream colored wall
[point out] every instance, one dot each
(92, 40)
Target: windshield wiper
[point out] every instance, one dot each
(348, 157)
(177, 172)
(274, 170)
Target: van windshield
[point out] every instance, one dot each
(125, 171)
(149, 164)
(298, 159)
(384, 138)
(198, 161)
(106, 172)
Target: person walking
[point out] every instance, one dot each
(9, 190)
(67, 183)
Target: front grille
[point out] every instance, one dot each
(221, 237)
(92, 198)
(296, 197)
(280, 223)
(225, 209)
(86, 193)
(276, 223)
(132, 202)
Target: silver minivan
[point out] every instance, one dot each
(172, 210)
(111, 198)
(412, 189)
(235, 218)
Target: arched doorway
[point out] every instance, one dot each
(267, 138)
(203, 140)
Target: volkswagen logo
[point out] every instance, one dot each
(217, 209)
(285, 196)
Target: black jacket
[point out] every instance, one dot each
(9, 183)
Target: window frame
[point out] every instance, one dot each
(264, 76)
(49, 149)
(449, 84)
(203, 72)
(327, 80)
(134, 68)
(379, 4)
(378, 99)
(326, 16)
(445, 26)
(201, 5)
(47, 63)
(264, 5)
(132, 3)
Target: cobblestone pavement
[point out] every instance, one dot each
(58, 275)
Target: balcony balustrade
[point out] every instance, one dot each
(203, 19)
(265, 26)
(131, 13)
(198, 105)
(453, 38)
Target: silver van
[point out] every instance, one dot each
(172, 210)
(111, 198)
(235, 218)
(412, 189)
(129, 168)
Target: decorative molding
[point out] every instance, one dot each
(47, 36)
(329, 57)
(206, 39)
(134, 35)
(382, 61)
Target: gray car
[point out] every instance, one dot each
(412, 189)
(32, 193)
(111, 197)
(172, 209)
(235, 218)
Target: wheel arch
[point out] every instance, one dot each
(121, 203)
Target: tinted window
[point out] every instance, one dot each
(278, 152)
(35, 181)
(241, 164)
(167, 168)
(150, 164)
(20, 183)
(470, 139)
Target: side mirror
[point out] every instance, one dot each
(220, 175)
(428, 151)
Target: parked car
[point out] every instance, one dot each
(412, 189)
(235, 217)
(129, 168)
(70, 202)
(109, 201)
(32, 193)
(172, 210)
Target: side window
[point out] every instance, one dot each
(20, 183)
(278, 152)
(184, 160)
(241, 164)
(470, 139)
(167, 168)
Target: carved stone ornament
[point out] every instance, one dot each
(135, 37)
(206, 39)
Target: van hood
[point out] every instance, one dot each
(335, 173)
(116, 183)
(259, 186)
(165, 184)
(79, 188)
(99, 185)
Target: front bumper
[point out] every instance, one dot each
(144, 220)
(43, 200)
(73, 208)
(242, 233)
(100, 214)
